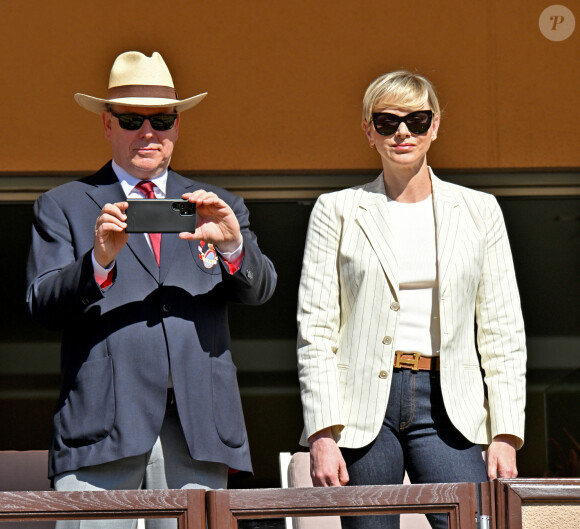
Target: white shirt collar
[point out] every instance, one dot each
(128, 181)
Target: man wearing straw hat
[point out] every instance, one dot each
(149, 393)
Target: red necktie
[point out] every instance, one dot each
(146, 188)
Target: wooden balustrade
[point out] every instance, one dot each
(188, 506)
(459, 500)
(514, 495)
(503, 501)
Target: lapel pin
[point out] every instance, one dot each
(208, 257)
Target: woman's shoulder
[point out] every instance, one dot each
(466, 194)
(352, 196)
(480, 206)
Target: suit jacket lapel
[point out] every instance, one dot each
(139, 246)
(449, 230)
(170, 242)
(373, 217)
(109, 190)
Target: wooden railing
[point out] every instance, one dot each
(187, 506)
(513, 496)
(459, 500)
(499, 503)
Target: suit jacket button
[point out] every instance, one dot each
(395, 306)
(387, 340)
(383, 374)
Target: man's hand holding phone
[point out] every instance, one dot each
(110, 234)
(216, 222)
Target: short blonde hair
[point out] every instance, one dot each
(401, 89)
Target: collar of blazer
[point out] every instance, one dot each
(373, 216)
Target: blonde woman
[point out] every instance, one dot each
(411, 346)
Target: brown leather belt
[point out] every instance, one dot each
(414, 361)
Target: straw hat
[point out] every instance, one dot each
(139, 81)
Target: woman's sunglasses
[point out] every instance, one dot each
(135, 121)
(417, 122)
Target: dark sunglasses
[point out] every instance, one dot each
(417, 122)
(135, 121)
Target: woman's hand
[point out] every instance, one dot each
(327, 466)
(501, 457)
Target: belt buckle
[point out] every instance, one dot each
(412, 363)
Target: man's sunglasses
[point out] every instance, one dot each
(135, 121)
(417, 122)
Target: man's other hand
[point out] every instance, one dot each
(110, 234)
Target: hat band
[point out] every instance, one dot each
(139, 90)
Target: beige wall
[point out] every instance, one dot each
(285, 80)
(545, 515)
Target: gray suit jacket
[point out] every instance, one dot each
(118, 343)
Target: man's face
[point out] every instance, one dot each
(143, 153)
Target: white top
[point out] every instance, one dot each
(418, 328)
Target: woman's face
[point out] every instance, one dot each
(403, 148)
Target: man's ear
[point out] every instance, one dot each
(107, 118)
(176, 125)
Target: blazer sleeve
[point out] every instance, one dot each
(319, 321)
(61, 282)
(500, 330)
(255, 280)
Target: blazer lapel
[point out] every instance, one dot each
(449, 230)
(374, 219)
(109, 190)
(170, 242)
(139, 246)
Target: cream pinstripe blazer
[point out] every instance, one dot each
(348, 313)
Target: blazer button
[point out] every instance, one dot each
(387, 340)
(383, 374)
(395, 306)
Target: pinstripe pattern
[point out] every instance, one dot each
(346, 314)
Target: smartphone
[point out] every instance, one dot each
(160, 215)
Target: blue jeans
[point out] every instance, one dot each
(416, 436)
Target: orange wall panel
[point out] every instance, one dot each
(286, 79)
